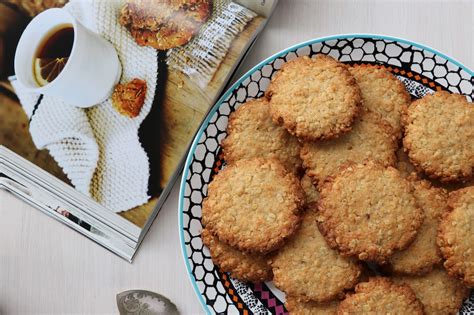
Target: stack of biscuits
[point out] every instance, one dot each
(348, 196)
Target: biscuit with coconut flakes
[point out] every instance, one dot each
(253, 205)
(382, 93)
(252, 133)
(456, 237)
(370, 139)
(308, 269)
(164, 24)
(439, 133)
(128, 98)
(296, 307)
(381, 296)
(368, 211)
(314, 98)
(439, 293)
(423, 253)
(242, 266)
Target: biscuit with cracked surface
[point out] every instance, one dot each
(439, 129)
(253, 205)
(296, 307)
(456, 238)
(164, 24)
(407, 169)
(241, 266)
(370, 139)
(381, 296)
(423, 253)
(368, 211)
(128, 98)
(314, 98)
(439, 293)
(382, 93)
(252, 133)
(306, 262)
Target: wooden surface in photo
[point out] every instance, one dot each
(186, 104)
(48, 268)
(184, 107)
(15, 135)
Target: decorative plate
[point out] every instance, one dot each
(422, 70)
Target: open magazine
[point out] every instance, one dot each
(106, 169)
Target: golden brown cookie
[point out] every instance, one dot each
(253, 205)
(241, 266)
(456, 236)
(296, 307)
(164, 24)
(251, 133)
(308, 269)
(423, 253)
(310, 191)
(381, 296)
(382, 93)
(368, 211)
(314, 98)
(439, 129)
(370, 138)
(128, 98)
(406, 169)
(439, 293)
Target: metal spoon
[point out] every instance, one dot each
(140, 302)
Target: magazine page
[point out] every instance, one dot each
(107, 95)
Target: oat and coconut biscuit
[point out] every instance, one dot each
(314, 98)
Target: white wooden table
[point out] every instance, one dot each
(46, 267)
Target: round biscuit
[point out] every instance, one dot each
(252, 133)
(439, 133)
(423, 253)
(242, 266)
(370, 139)
(296, 307)
(456, 237)
(381, 296)
(307, 268)
(439, 293)
(382, 93)
(253, 205)
(164, 24)
(407, 169)
(314, 98)
(368, 211)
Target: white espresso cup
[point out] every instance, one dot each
(90, 73)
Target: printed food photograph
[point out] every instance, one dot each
(123, 149)
(267, 157)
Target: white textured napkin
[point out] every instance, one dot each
(98, 148)
(65, 131)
